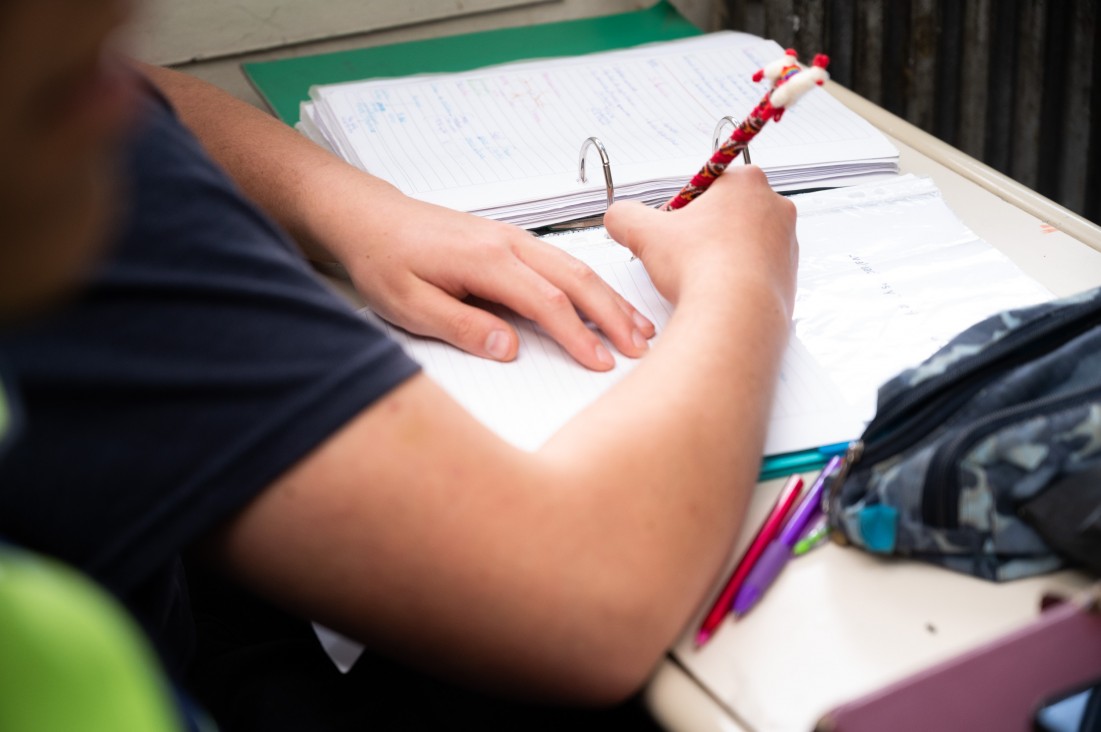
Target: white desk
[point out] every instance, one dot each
(840, 623)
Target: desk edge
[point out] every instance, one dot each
(983, 175)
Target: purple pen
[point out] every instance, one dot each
(777, 553)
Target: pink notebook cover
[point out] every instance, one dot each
(998, 686)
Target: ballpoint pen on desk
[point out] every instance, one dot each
(816, 535)
(776, 516)
(779, 551)
(789, 82)
(803, 461)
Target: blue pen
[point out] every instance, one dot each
(776, 555)
(776, 466)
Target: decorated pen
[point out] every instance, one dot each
(789, 82)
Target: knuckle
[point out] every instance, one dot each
(401, 289)
(581, 272)
(555, 299)
(498, 251)
(787, 207)
(463, 325)
(756, 173)
(514, 244)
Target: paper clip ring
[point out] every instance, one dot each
(589, 142)
(717, 136)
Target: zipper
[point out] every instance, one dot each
(832, 497)
(916, 412)
(941, 491)
(883, 440)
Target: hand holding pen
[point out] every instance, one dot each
(789, 82)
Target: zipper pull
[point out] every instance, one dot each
(830, 498)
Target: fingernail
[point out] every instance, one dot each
(497, 345)
(640, 321)
(640, 340)
(603, 355)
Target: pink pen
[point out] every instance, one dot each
(780, 509)
(776, 555)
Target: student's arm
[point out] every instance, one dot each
(564, 573)
(414, 263)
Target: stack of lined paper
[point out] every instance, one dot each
(504, 141)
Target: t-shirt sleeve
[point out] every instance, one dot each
(204, 360)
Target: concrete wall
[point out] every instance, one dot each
(175, 33)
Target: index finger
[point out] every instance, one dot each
(605, 307)
(550, 287)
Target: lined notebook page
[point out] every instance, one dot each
(512, 133)
(527, 400)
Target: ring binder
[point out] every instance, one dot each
(717, 136)
(590, 221)
(603, 161)
(589, 142)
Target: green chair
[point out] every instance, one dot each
(71, 657)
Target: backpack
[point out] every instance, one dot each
(986, 457)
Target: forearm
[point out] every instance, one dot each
(669, 457)
(682, 435)
(289, 176)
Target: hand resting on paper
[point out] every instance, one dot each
(418, 265)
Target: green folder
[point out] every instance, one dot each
(284, 84)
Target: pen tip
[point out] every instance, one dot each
(701, 638)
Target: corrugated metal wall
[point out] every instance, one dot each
(1010, 82)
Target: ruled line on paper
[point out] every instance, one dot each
(527, 120)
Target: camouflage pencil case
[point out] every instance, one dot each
(986, 457)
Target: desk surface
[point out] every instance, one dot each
(840, 623)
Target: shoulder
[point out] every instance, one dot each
(203, 360)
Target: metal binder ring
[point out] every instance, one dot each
(717, 136)
(604, 161)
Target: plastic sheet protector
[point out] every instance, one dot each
(887, 275)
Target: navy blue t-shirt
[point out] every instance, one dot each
(204, 360)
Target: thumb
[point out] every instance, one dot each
(439, 315)
(626, 220)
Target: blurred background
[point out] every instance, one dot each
(1009, 82)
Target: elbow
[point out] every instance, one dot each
(626, 680)
(612, 678)
(623, 612)
(624, 649)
